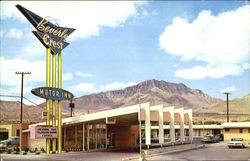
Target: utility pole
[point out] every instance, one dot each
(21, 113)
(227, 93)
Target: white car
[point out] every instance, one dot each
(236, 142)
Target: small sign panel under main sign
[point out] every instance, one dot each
(43, 132)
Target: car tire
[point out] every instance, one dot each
(229, 147)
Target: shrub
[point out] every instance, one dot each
(16, 152)
(26, 149)
(42, 150)
(9, 151)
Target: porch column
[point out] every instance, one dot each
(83, 136)
(64, 137)
(106, 136)
(87, 136)
(146, 107)
(170, 110)
(181, 113)
(161, 130)
(190, 124)
(95, 131)
(75, 136)
(159, 109)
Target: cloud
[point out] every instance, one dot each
(14, 33)
(86, 16)
(117, 85)
(10, 66)
(84, 87)
(92, 88)
(228, 89)
(201, 72)
(37, 68)
(221, 41)
(32, 50)
(81, 74)
(67, 76)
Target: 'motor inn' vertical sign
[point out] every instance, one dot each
(53, 37)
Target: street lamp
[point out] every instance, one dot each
(71, 106)
(227, 93)
(21, 113)
(141, 96)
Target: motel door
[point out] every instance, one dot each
(112, 140)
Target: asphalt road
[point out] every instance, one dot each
(216, 151)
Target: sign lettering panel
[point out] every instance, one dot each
(52, 93)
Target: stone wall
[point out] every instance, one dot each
(36, 143)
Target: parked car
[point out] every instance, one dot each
(220, 137)
(209, 139)
(10, 141)
(236, 142)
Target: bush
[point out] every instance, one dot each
(37, 153)
(16, 149)
(24, 153)
(16, 152)
(26, 149)
(42, 150)
(9, 151)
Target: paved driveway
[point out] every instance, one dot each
(216, 151)
(73, 156)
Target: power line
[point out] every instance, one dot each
(32, 102)
(19, 97)
(8, 96)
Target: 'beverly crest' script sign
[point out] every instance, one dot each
(50, 35)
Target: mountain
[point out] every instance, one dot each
(10, 112)
(154, 91)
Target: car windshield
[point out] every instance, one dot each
(236, 139)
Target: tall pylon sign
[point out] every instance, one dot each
(53, 37)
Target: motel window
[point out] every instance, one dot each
(227, 130)
(241, 130)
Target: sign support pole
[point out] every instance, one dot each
(47, 100)
(53, 93)
(53, 101)
(59, 74)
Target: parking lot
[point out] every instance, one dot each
(215, 151)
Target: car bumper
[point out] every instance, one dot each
(235, 145)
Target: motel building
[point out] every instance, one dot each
(119, 128)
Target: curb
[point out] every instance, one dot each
(181, 150)
(174, 151)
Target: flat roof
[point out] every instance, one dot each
(101, 116)
(236, 125)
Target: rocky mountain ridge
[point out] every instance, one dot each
(154, 91)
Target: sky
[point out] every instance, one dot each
(203, 44)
